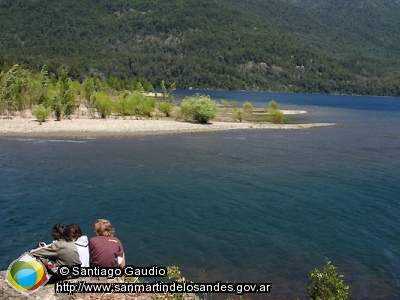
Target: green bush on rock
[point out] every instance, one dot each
(327, 284)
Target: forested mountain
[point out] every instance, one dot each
(338, 27)
(281, 45)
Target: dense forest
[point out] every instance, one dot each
(348, 47)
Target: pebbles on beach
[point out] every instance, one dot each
(85, 127)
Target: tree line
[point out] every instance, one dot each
(22, 89)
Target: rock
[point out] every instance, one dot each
(47, 292)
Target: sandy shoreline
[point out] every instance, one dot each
(92, 128)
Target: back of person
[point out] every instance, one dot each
(105, 249)
(62, 251)
(67, 253)
(81, 242)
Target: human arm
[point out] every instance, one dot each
(121, 260)
(49, 251)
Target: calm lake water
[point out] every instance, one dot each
(237, 206)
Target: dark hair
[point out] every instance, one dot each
(60, 232)
(74, 231)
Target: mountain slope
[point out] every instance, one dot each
(369, 27)
(201, 44)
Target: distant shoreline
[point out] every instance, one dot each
(95, 128)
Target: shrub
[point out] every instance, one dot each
(248, 107)
(165, 108)
(123, 106)
(66, 94)
(273, 104)
(276, 116)
(103, 104)
(198, 108)
(57, 107)
(141, 104)
(239, 114)
(41, 113)
(234, 104)
(225, 104)
(327, 284)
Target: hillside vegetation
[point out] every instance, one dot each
(254, 45)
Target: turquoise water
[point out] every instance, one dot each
(239, 206)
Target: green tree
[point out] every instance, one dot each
(139, 87)
(123, 106)
(198, 108)
(91, 85)
(148, 87)
(163, 90)
(66, 95)
(57, 107)
(103, 104)
(44, 82)
(170, 95)
(10, 90)
(34, 88)
(327, 284)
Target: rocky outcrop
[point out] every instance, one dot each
(47, 292)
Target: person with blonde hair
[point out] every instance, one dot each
(105, 249)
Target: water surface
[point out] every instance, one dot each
(237, 206)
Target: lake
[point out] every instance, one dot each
(236, 206)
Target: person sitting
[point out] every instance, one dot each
(105, 249)
(62, 251)
(81, 243)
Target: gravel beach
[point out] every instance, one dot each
(93, 128)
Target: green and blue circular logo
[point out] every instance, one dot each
(26, 274)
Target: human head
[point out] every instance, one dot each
(60, 232)
(103, 227)
(74, 231)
